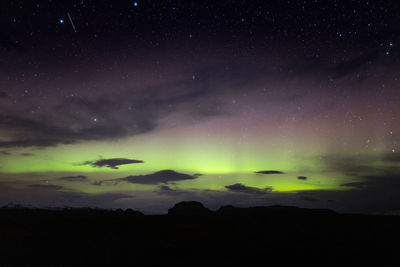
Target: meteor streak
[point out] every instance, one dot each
(72, 23)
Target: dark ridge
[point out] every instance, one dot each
(189, 208)
(272, 210)
(96, 237)
(18, 209)
(184, 208)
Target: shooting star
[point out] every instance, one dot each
(72, 23)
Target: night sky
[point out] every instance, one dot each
(124, 104)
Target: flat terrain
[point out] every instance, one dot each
(65, 238)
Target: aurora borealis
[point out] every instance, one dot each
(144, 104)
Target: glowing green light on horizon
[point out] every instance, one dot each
(221, 162)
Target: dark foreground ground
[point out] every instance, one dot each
(29, 238)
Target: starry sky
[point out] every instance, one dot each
(142, 104)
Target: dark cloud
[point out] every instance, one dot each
(375, 185)
(39, 142)
(166, 190)
(46, 186)
(240, 188)
(269, 172)
(3, 95)
(391, 158)
(164, 176)
(374, 193)
(382, 181)
(74, 178)
(26, 154)
(112, 163)
(351, 166)
(140, 118)
(308, 198)
(302, 177)
(361, 168)
(303, 66)
(50, 196)
(42, 134)
(354, 64)
(355, 184)
(138, 110)
(129, 113)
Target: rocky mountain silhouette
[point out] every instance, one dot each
(272, 210)
(189, 208)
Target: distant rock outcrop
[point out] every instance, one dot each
(271, 210)
(69, 211)
(132, 212)
(189, 208)
(129, 212)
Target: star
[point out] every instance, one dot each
(61, 21)
(387, 53)
(190, 35)
(135, 3)
(95, 119)
(391, 44)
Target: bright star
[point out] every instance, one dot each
(95, 119)
(135, 4)
(61, 21)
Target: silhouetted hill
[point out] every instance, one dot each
(287, 236)
(272, 210)
(17, 209)
(193, 208)
(189, 208)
